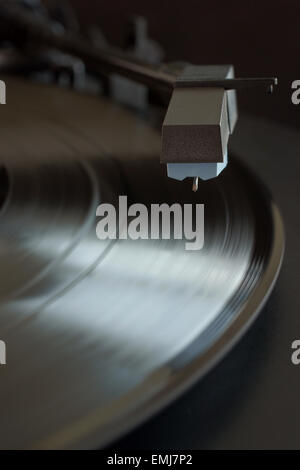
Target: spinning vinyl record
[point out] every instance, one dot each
(100, 334)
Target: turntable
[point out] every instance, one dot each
(102, 334)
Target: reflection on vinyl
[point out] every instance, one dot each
(101, 334)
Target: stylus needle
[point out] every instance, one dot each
(195, 184)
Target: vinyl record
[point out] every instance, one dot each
(101, 334)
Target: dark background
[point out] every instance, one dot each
(261, 38)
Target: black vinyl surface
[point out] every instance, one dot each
(251, 399)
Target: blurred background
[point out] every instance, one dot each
(261, 38)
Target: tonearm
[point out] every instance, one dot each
(202, 110)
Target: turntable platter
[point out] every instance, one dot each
(101, 334)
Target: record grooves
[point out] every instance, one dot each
(110, 331)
